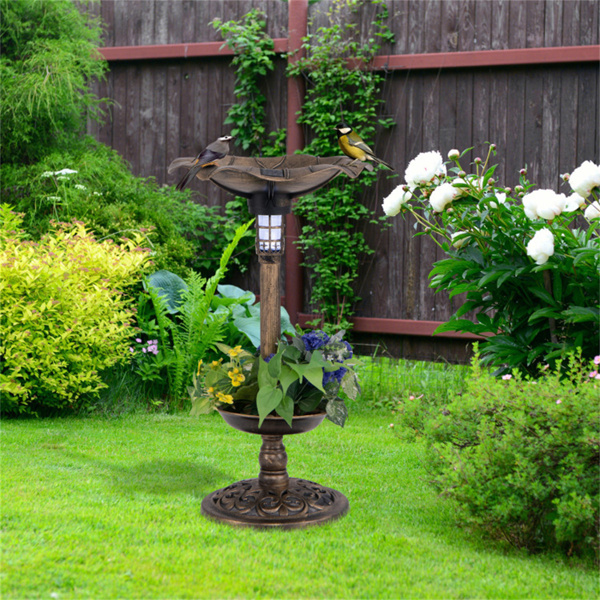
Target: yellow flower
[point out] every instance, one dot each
(226, 398)
(199, 367)
(235, 351)
(215, 364)
(211, 391)
(236, 377)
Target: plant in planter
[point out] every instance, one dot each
(304, 376)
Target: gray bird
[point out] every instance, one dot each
(218, 149)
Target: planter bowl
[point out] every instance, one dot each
(272, 425)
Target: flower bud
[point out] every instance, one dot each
(518, 189)
(493, 147)
(523, 172)
(462, 174)
(477, 160)
(565, 177)
(508, 191)
(491, 181)
(454, 154)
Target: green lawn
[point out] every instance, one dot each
(110, 508)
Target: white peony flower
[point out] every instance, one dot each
(541, 246)
(585, 178)
(501, 197)
(459, 243)
(393, 203)
(442, 196)
(592, 211)
(454, 154)
(574, 202)
(423, 168)
(544, 204)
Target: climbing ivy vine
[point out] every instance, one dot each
(254, 59)
(336, 217)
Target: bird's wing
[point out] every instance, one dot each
(360, 145)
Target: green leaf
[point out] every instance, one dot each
(286, 409)
(350, 385)
(287, 377)
(274, 366)
(336, 411)
(543, 295)
(168, 286)
(267, 400)
(546, 313)
(581, 314)
(264, 377)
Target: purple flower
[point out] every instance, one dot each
(338, 375)
(314, 340)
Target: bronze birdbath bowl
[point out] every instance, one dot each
(269, 184)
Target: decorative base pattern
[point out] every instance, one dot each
(303, 503)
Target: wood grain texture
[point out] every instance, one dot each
(544, 115)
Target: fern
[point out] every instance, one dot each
(194, 330)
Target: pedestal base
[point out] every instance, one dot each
(303, 503)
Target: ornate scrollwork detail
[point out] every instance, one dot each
(249, 502)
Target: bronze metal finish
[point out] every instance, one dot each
(269, 184)
(274, 499)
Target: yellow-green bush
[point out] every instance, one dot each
(64, 317)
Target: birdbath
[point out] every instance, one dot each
(269, 185)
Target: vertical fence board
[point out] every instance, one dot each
(588, 33)
(535, 23)
(483, 25)
(499, 25)
(517, 31)
(550, 148)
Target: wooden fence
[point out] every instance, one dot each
(520, 73)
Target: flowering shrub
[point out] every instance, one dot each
(64, 316)
(521, 456)
(528, 260)
(303, 376)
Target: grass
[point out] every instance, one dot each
(385, 381)
(110, 508)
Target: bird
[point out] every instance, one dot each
(353, 146)
(218, 149)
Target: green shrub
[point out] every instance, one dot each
(49, 54)
(521, 456)
(92, 183)
(64, 317)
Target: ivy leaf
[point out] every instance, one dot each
(267, 400)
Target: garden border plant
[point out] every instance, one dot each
(520, 455)
(528, 261)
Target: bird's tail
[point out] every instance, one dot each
(185, 180)
(382, 162)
